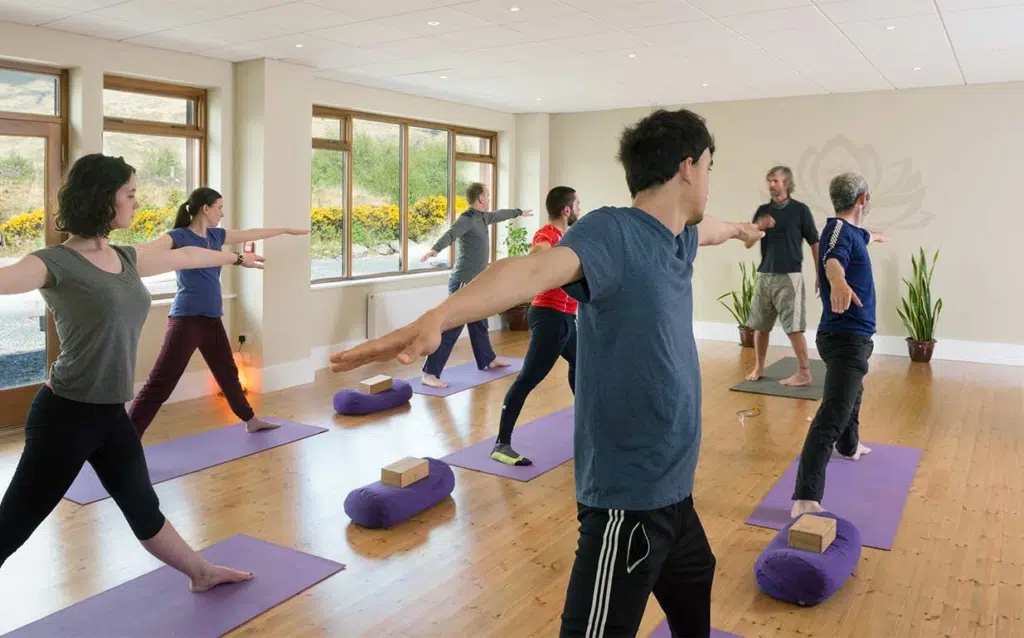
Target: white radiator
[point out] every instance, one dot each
(387, 311)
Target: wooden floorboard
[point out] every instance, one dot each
(495, 560)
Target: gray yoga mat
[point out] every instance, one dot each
(160, 603)
(782, 369)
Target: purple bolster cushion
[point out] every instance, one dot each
(808, 578)
(351, 402)
(381, 506)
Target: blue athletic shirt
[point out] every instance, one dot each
(638, 386)
(847, 244)
(199, 292)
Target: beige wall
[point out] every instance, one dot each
(940, 163)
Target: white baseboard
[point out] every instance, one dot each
(1008, 354)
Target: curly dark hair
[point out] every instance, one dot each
(88, 197)
(652, 149)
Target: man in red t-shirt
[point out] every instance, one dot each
(552, 318)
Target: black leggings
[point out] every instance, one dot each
(60, 436)
(552, 334)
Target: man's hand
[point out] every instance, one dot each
(817, 287)
(842, 296)
(296, 231)
(749, 233)
(527, 213)
(878, 238)
(764, 222)
(411, 342)
(427, 255)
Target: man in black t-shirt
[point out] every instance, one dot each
(780, 289)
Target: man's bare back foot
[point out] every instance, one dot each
(498, 363)
(256, 424)
(861, 451)
(802, 377)
(805, 507)
(755, 374)
(216, 575)
(432, 381)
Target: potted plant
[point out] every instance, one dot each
(740, 308)
(517, 245)
(918, 313)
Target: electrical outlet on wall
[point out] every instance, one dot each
(244, 338)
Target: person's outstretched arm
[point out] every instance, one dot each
(25, 275)
(505, 215)
(158, 262)
(256, 234)
(712, 231)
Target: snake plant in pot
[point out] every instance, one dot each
(740, 303)
(517, 245)
(917, 311)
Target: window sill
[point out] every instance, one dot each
(167, 301)
(440, 275)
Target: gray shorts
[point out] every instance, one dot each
(779, 295)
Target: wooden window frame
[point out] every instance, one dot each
(197, 131)
(55, 129)
(347, 118)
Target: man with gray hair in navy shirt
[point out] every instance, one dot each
(638, 388)
(843, 339)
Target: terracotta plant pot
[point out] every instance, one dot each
(516, 317)
(746, 337)
(920, 351)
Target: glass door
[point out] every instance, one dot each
(30, 171)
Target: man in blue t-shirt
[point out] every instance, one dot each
(638, 388)
(844, 338)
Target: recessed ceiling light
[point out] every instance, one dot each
(538, 99)
(917, 68)
(298, 46)
(433, 23)
(705, 84)
(890, 28)
(514, 9)
(632, 55)
(444, 77)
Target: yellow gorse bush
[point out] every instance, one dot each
(425, 216)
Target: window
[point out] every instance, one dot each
(382, 191)
(160, 129)
(33, 132)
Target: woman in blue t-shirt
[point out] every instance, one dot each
(195, 317)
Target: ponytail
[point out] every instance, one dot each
(183, 218)
(200, 197)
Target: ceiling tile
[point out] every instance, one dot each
(960, 5)
(158, 15)
(298, 17)
(31, 13)
(375, 8)
(224, 32)
(74, 5)
(760, 22)
(686, 33)
(647, 14)
(501, 11)
(916, 41)
(487, 38)
(432, 22)
(986, 29)
(722, 8)
(562, 26)
(362, 33)
(419, 47)
(860, 10)
(100, 27)
(233, 7)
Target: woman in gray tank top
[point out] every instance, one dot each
(99, 303)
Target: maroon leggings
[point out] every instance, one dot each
(184, 335)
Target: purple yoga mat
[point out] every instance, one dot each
(662, 631)
(869, 492)
(160, 604)
(546, 441)
(465, 376)
(178, 457)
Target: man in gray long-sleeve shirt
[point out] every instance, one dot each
(471, 237)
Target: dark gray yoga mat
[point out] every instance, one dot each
(782, 369)
(160, 603)
(178, 457)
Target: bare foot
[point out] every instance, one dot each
(216, 575)
(802, 377)
(755, 374)
(432, 381)
(498, 363)
(861, 451)
(805, 507)
(256, 424)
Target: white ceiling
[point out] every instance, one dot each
(576, 55)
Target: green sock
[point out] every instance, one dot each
(503, 453)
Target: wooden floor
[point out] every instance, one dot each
(495, 559)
